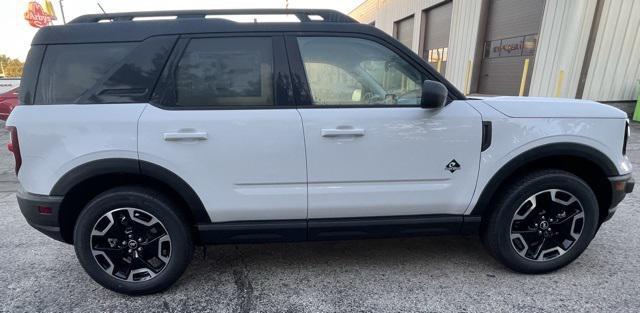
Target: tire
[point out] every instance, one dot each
(521, 235)
(107, 248)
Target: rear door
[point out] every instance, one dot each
(221, 122)
(371, 150)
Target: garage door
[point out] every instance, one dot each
(403, 31)
(436, 36)
(511, 39)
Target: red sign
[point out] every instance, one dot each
(36, 15)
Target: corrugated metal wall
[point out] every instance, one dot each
(615, 63)
(566, 25)
(366, 12)
(564, 37)
(463, 34)
(463, 41)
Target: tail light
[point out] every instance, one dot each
(14, 146)
(627, 132)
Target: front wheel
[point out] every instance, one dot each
(543, 222)
(133, 240)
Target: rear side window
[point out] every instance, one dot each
(99, 73)
(225, 72)
(68, 71)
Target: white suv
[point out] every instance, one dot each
(136, 140)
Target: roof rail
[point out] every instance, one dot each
(304, 15)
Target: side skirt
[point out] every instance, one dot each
(336, 228)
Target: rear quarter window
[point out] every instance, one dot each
(68, 71)
(101, 73)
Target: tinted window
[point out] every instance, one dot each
(133, 81)
(225, 72)
(69, 71)
(355, 71)
(30, 74)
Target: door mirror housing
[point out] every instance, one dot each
(434, 95)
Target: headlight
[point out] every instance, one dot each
(627, 133)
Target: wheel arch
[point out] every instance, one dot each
(86, 181)
(586, 162)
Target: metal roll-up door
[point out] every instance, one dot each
(511, 39)
(403, 31)
(436, 35)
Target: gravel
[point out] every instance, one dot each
(433, 274)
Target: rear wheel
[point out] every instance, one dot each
(133, 240)
(542, 222)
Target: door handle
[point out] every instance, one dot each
(336, 132)
(176, 136)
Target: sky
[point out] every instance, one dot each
(16, 33)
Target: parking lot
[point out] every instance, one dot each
(434, 274)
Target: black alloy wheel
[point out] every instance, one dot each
(133, 240)
(130, 244)
(541, 221)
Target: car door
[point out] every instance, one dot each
(222, 123)
(371, 149)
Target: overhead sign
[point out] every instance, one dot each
(36, 15)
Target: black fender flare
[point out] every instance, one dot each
(134, 167)
(544, 151)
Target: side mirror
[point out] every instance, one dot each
(434, 95)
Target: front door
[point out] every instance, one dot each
(223, 126)
(371, 149)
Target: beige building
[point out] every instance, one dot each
(564, 48)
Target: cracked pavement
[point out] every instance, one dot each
(431, 274)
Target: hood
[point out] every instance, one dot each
(553, 107)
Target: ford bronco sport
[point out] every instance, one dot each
(136, 139)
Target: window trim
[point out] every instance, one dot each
(302, 92)
(164, 97)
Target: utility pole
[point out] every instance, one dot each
(64, 21)
(103, 11)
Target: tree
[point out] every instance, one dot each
(10, 67)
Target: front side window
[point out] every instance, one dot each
(225, 72)
(354, 71)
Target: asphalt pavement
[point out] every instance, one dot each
(432, 274)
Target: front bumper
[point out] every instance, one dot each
(620, 187)
(41, 212)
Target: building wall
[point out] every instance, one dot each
(366, 12)
(462, 38)
(615, 64)
(463, 42)
(563, 45)
(566, 25)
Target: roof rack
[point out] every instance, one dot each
(304, 15)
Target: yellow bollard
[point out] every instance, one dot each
(559, 83)
(523, 81)
(467, 78)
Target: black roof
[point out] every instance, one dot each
(122, 26)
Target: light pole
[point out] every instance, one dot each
(64, 21)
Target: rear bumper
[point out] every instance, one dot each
(34, 208)
(620, 187)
